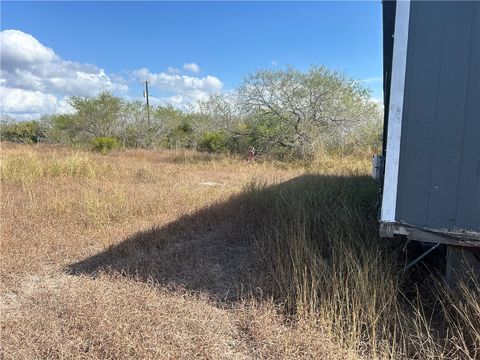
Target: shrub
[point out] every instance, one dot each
(182, 136)
(213, 141)
(104, 144)
(29, 132)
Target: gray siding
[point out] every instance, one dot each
(439, 174)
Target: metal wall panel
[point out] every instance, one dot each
(468, 205)
(439, 174)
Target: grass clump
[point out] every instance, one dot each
(24, 168)
(318, 244)
(105, 144)
(320, 256)
(102, 208)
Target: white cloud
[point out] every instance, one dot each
(274, 62)
(34, 79)
(192, 67)
(182, 89)
(20, 49)
(177, 101)
(26, 104)
(24, 101)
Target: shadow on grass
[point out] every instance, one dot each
(212, 250)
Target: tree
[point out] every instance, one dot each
(59, 128)
(137, 129)
(163, 118)
(306, 108)
(221, 112)
(95, 116)
(183, 134)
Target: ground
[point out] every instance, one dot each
(138, 254)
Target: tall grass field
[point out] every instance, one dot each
(142, 254)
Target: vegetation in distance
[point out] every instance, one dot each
(286, 114)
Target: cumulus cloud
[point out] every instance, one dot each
(20, 49)
(177, 101)
(24, 101)
(192, 67)
(34, 79)
(26, 105)
(187, 88)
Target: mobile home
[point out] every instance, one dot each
(431, 182)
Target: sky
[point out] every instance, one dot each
(186, 50)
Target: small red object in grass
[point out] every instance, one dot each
(251, 154)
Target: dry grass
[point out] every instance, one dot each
(142, 254)
(317, 240)
(61, 206)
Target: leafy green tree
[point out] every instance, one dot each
(96, 116)
(301, 110)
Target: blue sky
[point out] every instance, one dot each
(118, 44)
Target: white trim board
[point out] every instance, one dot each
(395, 111)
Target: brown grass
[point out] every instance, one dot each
(61, 206)
(181, 255)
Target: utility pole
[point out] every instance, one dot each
(145, 94)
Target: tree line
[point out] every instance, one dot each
(283, 113)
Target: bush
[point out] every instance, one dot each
(213, 141)
(104, 144)
(182, 136)
(29, 132)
